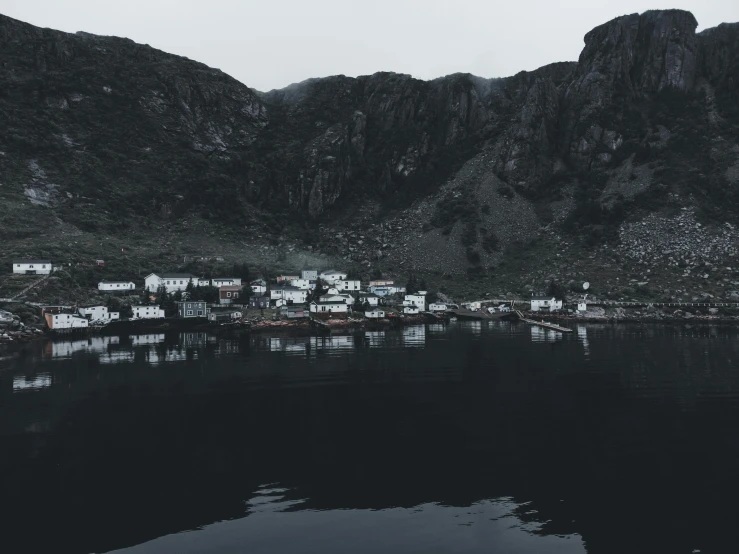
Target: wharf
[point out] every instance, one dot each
(544, 324)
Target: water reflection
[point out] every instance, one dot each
(32, 382)
(437, 438)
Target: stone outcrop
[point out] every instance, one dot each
(123, 127)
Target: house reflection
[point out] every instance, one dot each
(414, 336)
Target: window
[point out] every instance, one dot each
(200, 312)
(43, 266)
(189, 312)
(168, 282)
(189, 305)
(228, 295)
(31, 266)
(182, 282)
(236, 295)
(17, 265)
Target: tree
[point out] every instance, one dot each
(189, 289)
(411, 286)
(357, 306)
(366, 306)
(556, 290)
(245, 294)
(422, 284)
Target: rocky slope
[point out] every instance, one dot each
(111, 142)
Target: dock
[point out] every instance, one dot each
(545, 324)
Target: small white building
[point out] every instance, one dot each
(545, 303)
(350, 285)
(582, 307)
(222, 282)
(147, 312)
(375, 314)
(309, 275)
(411, 310)
(331, 276)
(258, 290)
(300, 284)
(417, 300)
(435, 307)
(294, 295)
(66, 321)
(324, 307)
(32, 267)
(115, 286)
(98, 314)
(171, 281)
(371, 299)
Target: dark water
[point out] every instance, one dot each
(475, 438)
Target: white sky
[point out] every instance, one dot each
(271, 43)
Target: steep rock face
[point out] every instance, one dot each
(103, 124)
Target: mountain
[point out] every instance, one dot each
(111, 144)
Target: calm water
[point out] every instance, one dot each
(472, 438)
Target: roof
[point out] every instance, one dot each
(226, 278)
(113, 282)
(229, 288)
(542, 297)
(156, 306)
(330, 271)
(332, 302)
(175, 276)
(31, 261)
(192, 302)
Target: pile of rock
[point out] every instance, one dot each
(677, 241)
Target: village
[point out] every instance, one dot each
(309, 297)
(324, 296)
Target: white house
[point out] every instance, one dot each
(371, 299)
(375, 314)
(582, 307)
(300, 284)
(259, 290)
(65, 321)
(417, 300)
(297, 296)
(115, 286)
(410, 310)
(98, 313)
(331, 276)
(223, 282)
(32, 267)
(324, 307)
(435, 307)
(309, 275)
(171, 281)
(352, 285)
(147, 312)
(545, 303)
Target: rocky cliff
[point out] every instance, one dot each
(104, 134)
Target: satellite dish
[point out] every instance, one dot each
(585, 285)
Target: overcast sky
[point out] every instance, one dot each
(269, 44)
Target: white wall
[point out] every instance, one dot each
(147, 312)
(334, 308)
(67, 321)
(38, 269)
(343, 285)
(113, 286)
